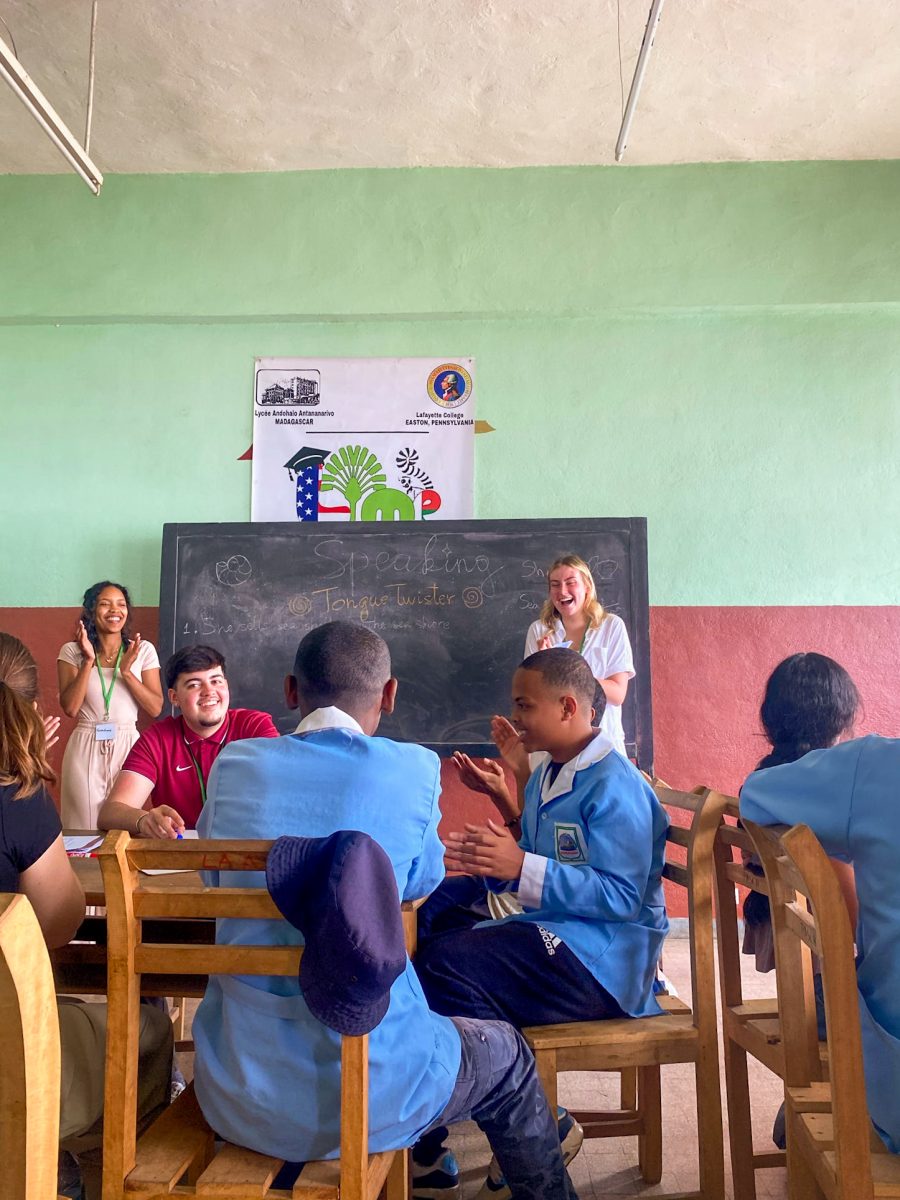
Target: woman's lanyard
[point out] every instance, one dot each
(107, 694)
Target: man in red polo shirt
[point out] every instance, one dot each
(172, 759)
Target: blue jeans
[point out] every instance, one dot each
(498, 1088)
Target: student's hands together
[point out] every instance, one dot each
(160, 822)
(485, 850)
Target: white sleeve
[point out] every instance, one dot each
(69, 653)
(147, 657)
(617, 656)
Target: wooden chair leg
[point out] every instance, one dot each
(396, 1186)
(628, 1089)
(180, 1004)
(710, 1139)
(545, 1061)
(650, 1109)
(740, 1127)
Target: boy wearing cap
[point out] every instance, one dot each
(267, 1071)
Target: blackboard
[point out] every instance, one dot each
(453, 600)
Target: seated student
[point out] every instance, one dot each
(172, 759)
(849, 795)
(588, 868)
(258, 1046)
(810, 702)
(33, 861)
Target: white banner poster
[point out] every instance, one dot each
(363, 439)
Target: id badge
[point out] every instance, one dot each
(104, 732)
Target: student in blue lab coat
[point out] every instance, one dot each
(848, 795)
(586, 858)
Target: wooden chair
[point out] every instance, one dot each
(29, 1057)
(682, 1035)
(833, 1151)
(748, 1026)
(177, 1153)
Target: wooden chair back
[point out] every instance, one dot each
(176, 1153)
(29, 1057)
(809, 917)
(749, 1026)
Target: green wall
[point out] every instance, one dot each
(714, 347)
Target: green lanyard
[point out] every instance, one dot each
(199, 774)
(196, 764)
(107, 695)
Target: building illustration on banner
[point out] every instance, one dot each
(362, 439)
(302, 388)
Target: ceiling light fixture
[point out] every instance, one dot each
(47, 117)
(637, 81)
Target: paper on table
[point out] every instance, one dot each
(79, 846)
(188, 833)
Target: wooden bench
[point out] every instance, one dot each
(833, 1150)
(684, 1034)
(29, 1057)
(177, 1154)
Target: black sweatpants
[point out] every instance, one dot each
(513, 971)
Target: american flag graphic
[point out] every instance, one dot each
(308, 493)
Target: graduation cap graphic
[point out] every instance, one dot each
(305, 458)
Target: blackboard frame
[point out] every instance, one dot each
(578, 533)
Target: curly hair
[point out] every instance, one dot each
(89, 606)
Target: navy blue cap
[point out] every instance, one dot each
(341, 893)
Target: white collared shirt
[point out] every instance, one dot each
(331, 717)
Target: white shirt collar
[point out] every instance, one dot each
(328, 718)
(596, 749)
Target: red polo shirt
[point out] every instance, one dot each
(163, 752)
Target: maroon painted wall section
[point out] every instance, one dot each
(709, 668)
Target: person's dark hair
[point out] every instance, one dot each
(189, 659)
(89, 605)
(809, 702)
(23, 742)
(566, 670)
(339, 662)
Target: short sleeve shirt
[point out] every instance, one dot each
(166, 754)
(28, 827)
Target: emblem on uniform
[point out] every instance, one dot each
(570, 847)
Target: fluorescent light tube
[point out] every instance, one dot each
(45, 115)
(638, 79)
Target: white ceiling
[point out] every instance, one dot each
(261, 85)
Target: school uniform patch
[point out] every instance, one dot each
(570, 847)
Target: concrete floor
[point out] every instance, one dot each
(606, 1168)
